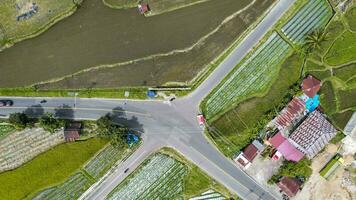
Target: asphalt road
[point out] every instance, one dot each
(164, 124)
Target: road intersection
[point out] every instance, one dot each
(173, 125)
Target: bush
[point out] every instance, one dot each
(49, 123)
(300, 170)
(19, 120)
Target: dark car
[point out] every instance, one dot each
(6, 103)
(126, 170)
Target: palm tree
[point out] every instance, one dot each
(314, 40)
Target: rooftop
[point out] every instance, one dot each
(290, 186)
(290, 114)
(250, 152)
(290, 152)
(311, 86)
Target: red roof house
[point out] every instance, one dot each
(246, 157)
(311, 86)
(277, 140)
(290, 186)
(286, 148)
(71, 133)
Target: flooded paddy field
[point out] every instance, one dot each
(97, 35)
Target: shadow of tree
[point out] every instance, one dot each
(119, 116)
(64, 112)
(35, 111)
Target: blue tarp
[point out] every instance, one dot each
(151, 93)
(131, 138)
(312, 103)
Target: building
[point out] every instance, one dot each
(289, 186)
(285, 148)
(246, 157)
(72, 131)
(290, 115)
(311, 86)
(143, 8)
(313, 134)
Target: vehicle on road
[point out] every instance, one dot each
(201, 120)
(6, 103)
(43, 101)
(126, 170)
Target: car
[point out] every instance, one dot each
(6, 103)
(201, 120)
(126, 170)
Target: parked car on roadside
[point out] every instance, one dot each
(201, 120)
(6, 103)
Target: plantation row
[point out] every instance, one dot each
(21, 146)
(253, 76)
(72, 188)
(160, 178)
(103, 161)
(315, 14)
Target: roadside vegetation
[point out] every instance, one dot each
(13, 28)
(5, 129)
(47, 169)
(186, 180)
(300, 170)
(234, 126)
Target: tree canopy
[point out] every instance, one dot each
(19, 120)
(50, 123)
(109, 129)
(300, 170)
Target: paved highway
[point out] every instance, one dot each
(164, 124)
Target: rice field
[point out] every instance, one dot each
(97, 166)
(161, 177)
(253, 76)
(72, 188)
(21, 146)
(313, 15)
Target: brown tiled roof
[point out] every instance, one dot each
(71, 135)
(290, 186)
(290, 114)
(310, 86)
(250, 152)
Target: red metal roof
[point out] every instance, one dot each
(290, 186)
(250, 152)
(310, 86)
(277, 140)
(290, 114)
(290, 152)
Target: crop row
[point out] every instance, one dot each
(160, 178)
(253, 76)
(19, 147)
(314, 15)
(72, 188)
(103, 161)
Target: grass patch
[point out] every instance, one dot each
(350, 18)
(327, 98)
(347, 98)
(337, 138)
(345, 73)
(311, 66)
(135, 93)
(47, 169)
(236, 123)
(118, 4)
(321, 75)
(343, 50)
(341, 119)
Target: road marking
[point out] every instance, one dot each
(89, 109)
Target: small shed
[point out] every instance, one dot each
(72, 131)
(290, 186)
(311, 86)
(143, 8)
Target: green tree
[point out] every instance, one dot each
(50, 123)
(300, 170)
(314, 41)
(109, 129)
(19, 120)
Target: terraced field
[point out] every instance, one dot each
(103, 161)
(72, 188)
(161, 177)
(314, 15)
(250, 78)
(20, 147)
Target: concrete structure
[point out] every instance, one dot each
(313, 134)
(350, 127)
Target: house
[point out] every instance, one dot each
(285, 148)
(290, 115)
(289, 186)
(246, 157)
(72, 131)
(143, 8)
(311, 86)
(313, 134)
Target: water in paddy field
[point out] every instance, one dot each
(96, 35)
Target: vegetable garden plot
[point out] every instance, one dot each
(160, 178)
(103, 161)
(5, 129)
(253, 76)
(21, 146)
(72, 188)
(314, 15)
